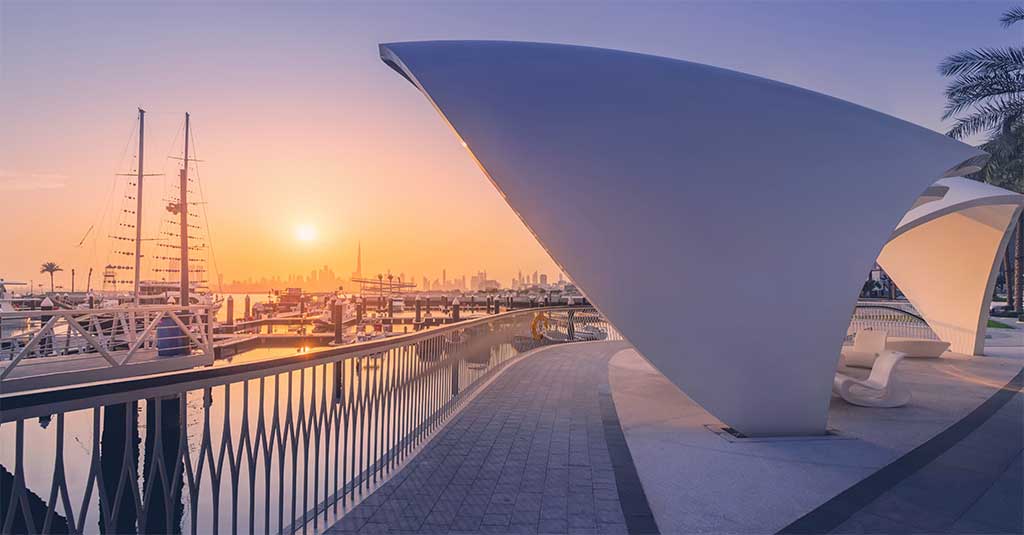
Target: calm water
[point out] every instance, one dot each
(222, 314)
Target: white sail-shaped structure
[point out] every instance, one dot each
(945, 256)
(723, 222)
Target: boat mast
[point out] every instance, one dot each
(138, 207)
(183, 209)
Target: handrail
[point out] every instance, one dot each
(891, 308)
(895, 321)
(35, 313)
(284, 442)
(230, 372)
(118, 335)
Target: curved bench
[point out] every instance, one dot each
(917, 347)
(881, 388)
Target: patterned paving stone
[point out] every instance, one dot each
(528, 455)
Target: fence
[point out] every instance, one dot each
(119, 335)
(896, 322)
(269, 446)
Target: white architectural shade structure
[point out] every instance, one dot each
(945, 256)
(723, 222)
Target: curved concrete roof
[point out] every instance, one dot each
(954, 194)
(945, 256)
(721, 221)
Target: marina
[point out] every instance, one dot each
(673, 267)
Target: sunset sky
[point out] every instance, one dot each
(310, 143)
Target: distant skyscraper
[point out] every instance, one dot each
(543, 279)
(359, 261)
(536, 278)
(444, 278)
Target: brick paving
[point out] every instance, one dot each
(528, 455)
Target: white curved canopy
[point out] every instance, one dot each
(945, 256)
(718, 219)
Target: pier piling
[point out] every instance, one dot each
(231, 310)
(338, 318)
(248, 308)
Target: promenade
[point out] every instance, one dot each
(540, 450)
(543, 449)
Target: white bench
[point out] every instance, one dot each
(867, 346)
(917, 347)
(880, 389)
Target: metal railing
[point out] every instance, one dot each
(895, 321)
(281, 445)
(118, 335)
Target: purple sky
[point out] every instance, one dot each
(301, 121)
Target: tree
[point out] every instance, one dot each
(986, 96)
(51, 268)
(987, 91)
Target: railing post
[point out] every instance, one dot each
(455, 377)
(209, 330)
(46, 345)
(339, 327)
(570, 329)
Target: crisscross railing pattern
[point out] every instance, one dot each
(258, 450)
(119, 335)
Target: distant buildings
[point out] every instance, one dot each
(326, 280)
(322, 280)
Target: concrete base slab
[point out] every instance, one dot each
(698, 483)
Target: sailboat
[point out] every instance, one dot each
(181, 261)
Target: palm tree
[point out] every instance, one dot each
(51, 268)
(987, 96)
(987, 91)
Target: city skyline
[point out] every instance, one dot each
(327, 278)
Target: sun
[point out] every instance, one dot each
(305, 233)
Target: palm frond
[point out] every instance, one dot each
(1013, 15)
(988, 117)
(972, 89)
(1005, 168)
(983, 60)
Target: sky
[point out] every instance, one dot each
(309, 143)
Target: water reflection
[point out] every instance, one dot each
(119, 455)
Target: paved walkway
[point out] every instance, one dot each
(540, 450)
(967, 479)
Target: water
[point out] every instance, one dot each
(253, 454)
(239, 298)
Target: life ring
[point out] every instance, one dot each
(540, 317)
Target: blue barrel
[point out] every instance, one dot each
(171, 341)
